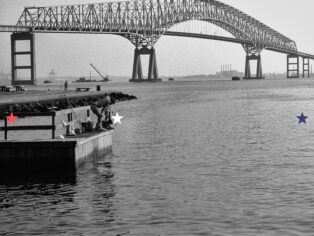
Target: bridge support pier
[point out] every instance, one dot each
(306, 67)
(293, 66)
(247, 72)
(14, 53)
(137, 74)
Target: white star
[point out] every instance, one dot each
(117, 118)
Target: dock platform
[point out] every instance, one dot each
(53, 155)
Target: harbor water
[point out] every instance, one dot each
(190, 158)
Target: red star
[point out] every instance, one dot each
(11, 118)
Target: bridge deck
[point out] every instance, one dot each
(234, 40)
(14, 28)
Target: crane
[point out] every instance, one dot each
(105, 78)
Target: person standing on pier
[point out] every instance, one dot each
(101, 103)
(66, 86)
(107, 111)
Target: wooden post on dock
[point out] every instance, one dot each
(53, 125)
(6, 128)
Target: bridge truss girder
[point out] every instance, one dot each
(150, 19)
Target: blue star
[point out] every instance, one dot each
(302, 118)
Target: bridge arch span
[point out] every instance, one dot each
(152, 18)
(143, 22)
(222, 25)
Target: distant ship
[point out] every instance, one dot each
(236, 78)
(51, 78)
(83, 79)
(171, 79)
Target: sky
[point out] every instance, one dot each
(70, 54)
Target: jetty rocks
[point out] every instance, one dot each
(47, 101)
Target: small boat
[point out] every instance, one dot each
(171, 79)
(47, 81)
(236, 78)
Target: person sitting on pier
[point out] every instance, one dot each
(104, 103)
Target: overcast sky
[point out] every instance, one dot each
(70, 54)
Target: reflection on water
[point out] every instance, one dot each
(203, 158)
(15, 178)
(40, 203)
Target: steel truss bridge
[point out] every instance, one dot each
(144, 22)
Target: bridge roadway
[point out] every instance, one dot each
(14, 29)
(234, 40)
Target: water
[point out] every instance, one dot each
(201, 158)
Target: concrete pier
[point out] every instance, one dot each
(137, 74)
(247, 72)
(293, 66)
(30, 37)
(54, 155)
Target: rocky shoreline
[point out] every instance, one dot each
(55, 102)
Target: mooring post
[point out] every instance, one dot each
(5, 128)
(53, 125)
(14, 53)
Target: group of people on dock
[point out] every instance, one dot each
(104, 104)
